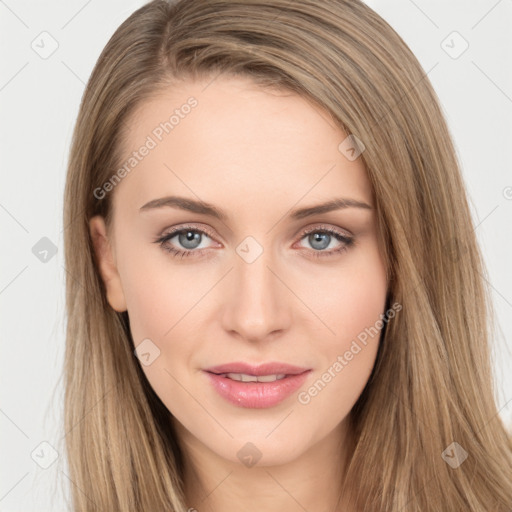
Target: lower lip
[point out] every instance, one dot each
(257, 395)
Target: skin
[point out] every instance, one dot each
(257, 155)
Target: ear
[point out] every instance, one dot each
(106, 263)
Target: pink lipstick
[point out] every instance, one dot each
(256, 386)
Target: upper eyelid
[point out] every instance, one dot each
(177, 230)
(325, 227)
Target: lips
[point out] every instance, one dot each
(239, 383)
(257, 370)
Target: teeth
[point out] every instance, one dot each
(244, 377)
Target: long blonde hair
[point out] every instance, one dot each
(432, 383)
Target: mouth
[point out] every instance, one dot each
(245, 377)
(256, 387)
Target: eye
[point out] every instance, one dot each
(190, 238)
(321, 237)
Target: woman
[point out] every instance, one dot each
(275, 297)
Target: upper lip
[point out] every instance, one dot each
(274, 368)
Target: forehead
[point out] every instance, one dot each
(217, 139)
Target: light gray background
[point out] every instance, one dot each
(39, 101)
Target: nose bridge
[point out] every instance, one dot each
(256, 306)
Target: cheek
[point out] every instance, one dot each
(355, 299)
(351, 306)
(164, 301)
(159, 299)
(158, 293)
(151, 303)
(348, 359)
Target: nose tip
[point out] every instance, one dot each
(256, 305)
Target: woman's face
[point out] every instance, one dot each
(259, 275)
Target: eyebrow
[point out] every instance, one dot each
(203, 208)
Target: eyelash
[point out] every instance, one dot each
(348, 241)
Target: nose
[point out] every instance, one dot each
(258, 305)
